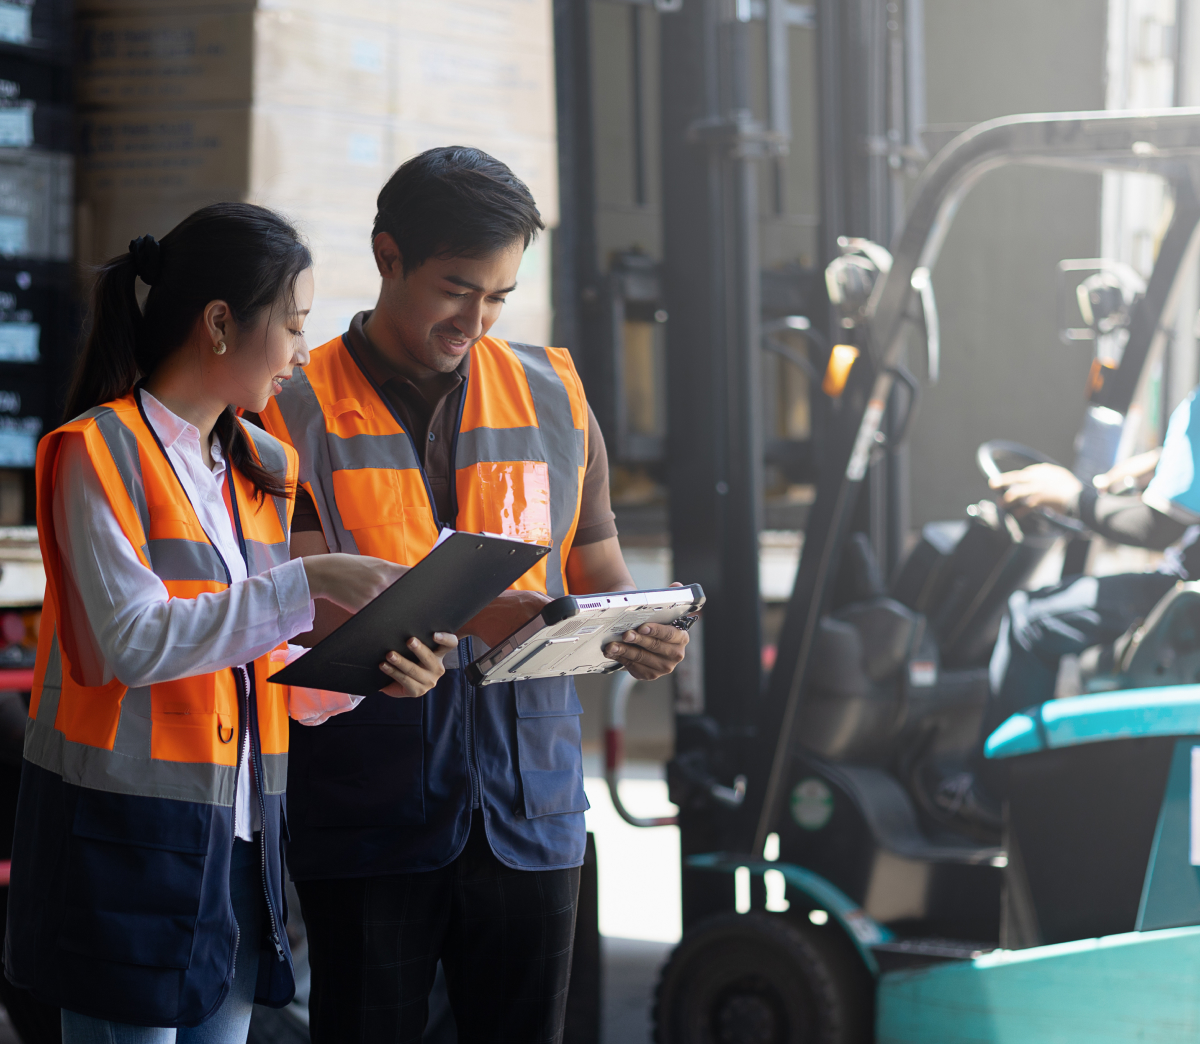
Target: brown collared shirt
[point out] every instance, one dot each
(432, 424)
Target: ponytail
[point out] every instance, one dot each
(242, 254)
(108, 368)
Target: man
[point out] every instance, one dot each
(1082, 611)
(449, 827)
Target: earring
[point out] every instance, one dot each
(219, 348)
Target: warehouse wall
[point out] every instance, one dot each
(308, 106)
(1004, 372)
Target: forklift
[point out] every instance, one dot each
(825, 899)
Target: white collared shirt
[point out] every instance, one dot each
(140, 635)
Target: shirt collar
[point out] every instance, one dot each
(380, 368)
(172, 429)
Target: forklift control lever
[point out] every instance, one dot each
(731, 796)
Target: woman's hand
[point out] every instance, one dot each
(416, 679)
(350, 581)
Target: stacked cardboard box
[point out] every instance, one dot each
(308, 106)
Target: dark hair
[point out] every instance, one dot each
(239, 253)
(455, 201)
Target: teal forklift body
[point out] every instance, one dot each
(1142, 986)
(1139, 985)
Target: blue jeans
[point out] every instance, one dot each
(230, 1023)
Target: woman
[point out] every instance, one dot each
(146, 897)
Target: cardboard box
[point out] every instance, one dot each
(132, 156)
(113, 7)
(151, 59)
(318, 157)
(500, 24)
(330, 62)
(469, 86)
(107, 227)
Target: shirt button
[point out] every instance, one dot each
(432, 436)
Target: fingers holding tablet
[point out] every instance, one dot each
(651, 651)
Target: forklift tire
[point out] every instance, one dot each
(760, 979)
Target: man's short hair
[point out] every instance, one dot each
(455, 201)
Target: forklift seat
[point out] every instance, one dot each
(854, 704)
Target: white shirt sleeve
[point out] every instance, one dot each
(142, 635)
(311, 706)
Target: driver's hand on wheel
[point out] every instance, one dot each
(1039, 486)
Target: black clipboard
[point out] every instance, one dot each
(456, 580)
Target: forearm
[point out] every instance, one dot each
(1128, 520)
(162, 640)
(598, 567)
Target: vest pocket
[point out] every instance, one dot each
(133, 879)
(362, 769)
(548, 747)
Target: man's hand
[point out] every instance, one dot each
(504, 615)
(649, 652)
(1039, 486)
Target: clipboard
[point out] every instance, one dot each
(456, 580)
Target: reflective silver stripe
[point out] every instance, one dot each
(123, 445)
(498, 444)
(134, 724)
(394, 452)
(118, 773)
(47, 712)
(128, 767)
(265, 556)
(274, 458)
(274, 773)
(559, 434)
(305, 420)
(176, 559)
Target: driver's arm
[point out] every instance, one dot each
(1123, 519)
(1128, 520)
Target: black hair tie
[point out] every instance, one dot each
(147, 258)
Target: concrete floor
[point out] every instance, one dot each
(631, 968)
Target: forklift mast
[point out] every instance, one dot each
(1166, 143)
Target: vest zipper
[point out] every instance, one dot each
(469, 717)
(256, 768)
(243, 709)
(246, 701)
(243, 725)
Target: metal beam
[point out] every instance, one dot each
(579, 314)
(711, 289)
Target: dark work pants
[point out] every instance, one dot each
(503, 936)
(1043, 626)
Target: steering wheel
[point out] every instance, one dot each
(999, 455)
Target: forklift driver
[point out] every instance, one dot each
(1042, 626)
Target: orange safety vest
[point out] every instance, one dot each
(519, 456)
(175, 739)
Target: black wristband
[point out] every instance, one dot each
(1085, 508)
